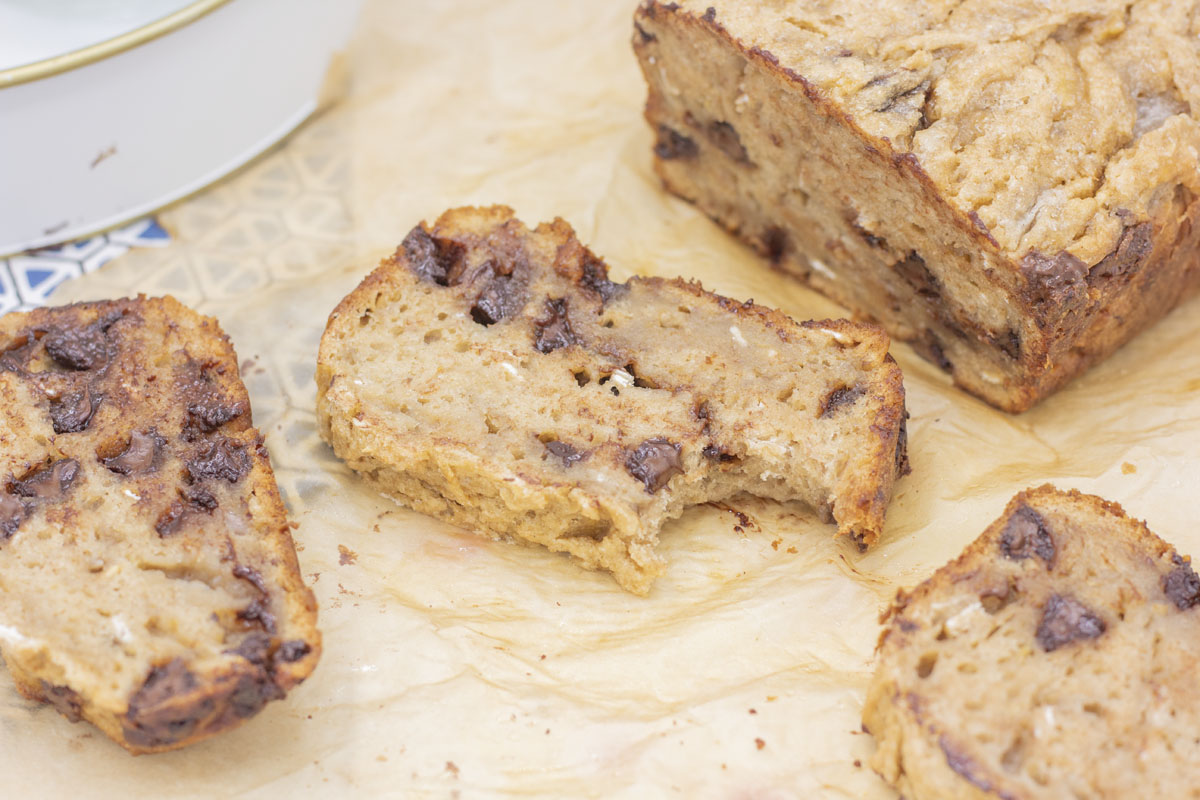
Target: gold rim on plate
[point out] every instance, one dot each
(101, 50)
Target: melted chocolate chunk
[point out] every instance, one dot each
(66, 700)
(155, 718)
(965, 766)
(1066, 620)
(255, 648)
(251, 576)
(138, 456)
(258, 613)
(199, 498)
(726, 138)
(12, 513)
(72, 412)
(293, 650)
(49, 483)
(565, 453)
(1131, 251)
(1182, 585)
(553, 330)
(776, 241)
(438, 260)
(252, 693)
(842, 396)
(211, 410)
(914, 271)
(1054, 280)
(501, 298)
(654, 462)
(78, 348)
(170, 519)
(595, 279)
(1025, 535)
(672, 144)
(15, 354)
(223, 459)
(717, 454)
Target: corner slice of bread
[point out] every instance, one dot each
(1054, 658)
(494, 377)
(148, 582)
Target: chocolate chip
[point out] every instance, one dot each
(776, 241)
(223, 459)
(12, 513)
(255, 648)
(1025, 535)
(1066, 620)
(1010, 344)
(199, 498)
(77, 348)
(931, 347)
(169, 520)
(654, 462)
(72, 412)
(433, 259)
(1130, 253)
(258, 613)
(553, 331)
(726, 138)
(294, 650)
(672, 144)
(914, 271)
(595, 279)
(66, 700)
(715, 453)
(138, 456)
(49, 483)
(1182, 585)
(501, 298)
(252, 693)
(1054, 280)
(211, 411)
(842, 396)
(565, 453)
(251, 576)
(155, 717)
(710, 14)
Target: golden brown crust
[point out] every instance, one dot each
(1064, 315)
(1062, 630)
(165, 497)
(571, 461)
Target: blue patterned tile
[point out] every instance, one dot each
(28, 280)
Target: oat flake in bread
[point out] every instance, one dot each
(493, 376)
(1056, 657)
(1009, 186)
(148, 582)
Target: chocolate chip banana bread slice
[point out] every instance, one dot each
(1054, 658)
(493, 376)
(1012, 188)
(148, 582)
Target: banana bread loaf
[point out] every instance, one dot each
(148, 582)
(494, 377)
(1010, 187)
(1056, 657)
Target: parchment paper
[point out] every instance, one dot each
(455, 666)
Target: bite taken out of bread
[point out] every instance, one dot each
(493, 376)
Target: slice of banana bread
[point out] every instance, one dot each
(1054, 658)
(148, 582)
(1010, 187)
(494, 377)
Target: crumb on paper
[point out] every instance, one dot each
(759, 744)
(1128, 469)
(104, 154)
(346, 556)
(792, 550)
(858, 763)
(775, 544)
(452, 768)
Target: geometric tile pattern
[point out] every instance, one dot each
(28, 279)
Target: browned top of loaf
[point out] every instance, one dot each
(145, 554)
(1051, 126)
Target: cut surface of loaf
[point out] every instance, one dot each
(1056, 657)
(148, 581)
(493, 376)
(1010, 187)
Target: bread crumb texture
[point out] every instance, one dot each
(493, 376)
(148, 581)
(1054, 658)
